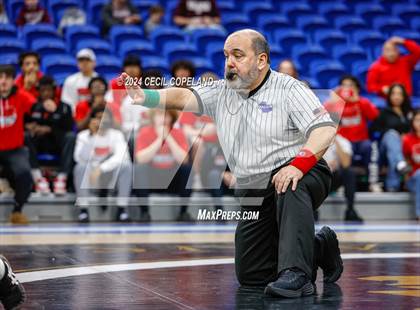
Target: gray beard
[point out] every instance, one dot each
(243, 83)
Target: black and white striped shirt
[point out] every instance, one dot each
(269, 127)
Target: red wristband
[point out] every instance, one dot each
(304, 161)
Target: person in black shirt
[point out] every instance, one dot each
(393, 121)
(49, 130)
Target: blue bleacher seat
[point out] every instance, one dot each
(61, 63)
(201, 37)
(269, 21)
(313, 83)
(94, 9)
(255, 8)
(376, 100)
(202, 65)
(369, 39)
(328, 38)
(10, 59)
(156, 63)
(37, 31)
(416, 82)
(120, 34)
(311, 23)
(293, 9)
(144, 5)
(276, 52)
(173, 52)
(108, 64)
(164, 34)
(13, 9)
(170, 7)
(57, 6)
(138, 47)
(99, 46)
(406, 12)
(327, 72)
(415, 23)
(407, 34)
(8, 46)
(350, 23)
(287, 38)
(306, 54)
(360, 69)
(388, 24)
(368, 11)
(235, 21)
(215, 53)
(74, 34)
(49, 46)
(8, 31)
(334, 9)
(348, 54)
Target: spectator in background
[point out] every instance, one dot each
(355, 112)
(75, 87)
(29, 63)
(287, 66)
(119, 12)
(392, 67)
(132, 66)
(14, 104)
(102, 161)
(49, 130)
(72, 16)
(196, 14)
(392, 123)
(411, 149)
(32, 13)
(3, 14)
(156, 13)
(162, 161)
(97, 89)
(339, 157)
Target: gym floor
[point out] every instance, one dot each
(190, 266)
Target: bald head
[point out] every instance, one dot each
(257, 41)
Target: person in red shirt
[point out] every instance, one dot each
(161, 154)
(97, 89)
(29, 63)
(411, 150)
(355, 112)
(32, 13)
(392, 67)
(14, 157)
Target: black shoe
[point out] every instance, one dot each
(330, 262)
(184, 217)
(84, 216)
(122, 216)
(145, 217)
(352, 216)
(12, 293)
(291, 283)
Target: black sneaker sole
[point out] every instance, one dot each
(332, 243)
(306, 290)
(16, 299)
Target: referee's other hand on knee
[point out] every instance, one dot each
(286, 176)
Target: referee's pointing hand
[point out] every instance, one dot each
(285, 176)
(133, 89)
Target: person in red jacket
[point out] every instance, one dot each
(32, 13)
(355, 112)
(14, 157)
(411, 150)
(392, 67)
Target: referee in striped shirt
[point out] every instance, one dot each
(273, 131)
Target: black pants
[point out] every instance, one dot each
(347, 178)
(16, 164)
(174, 181)
(61, 145)
(283, 236)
